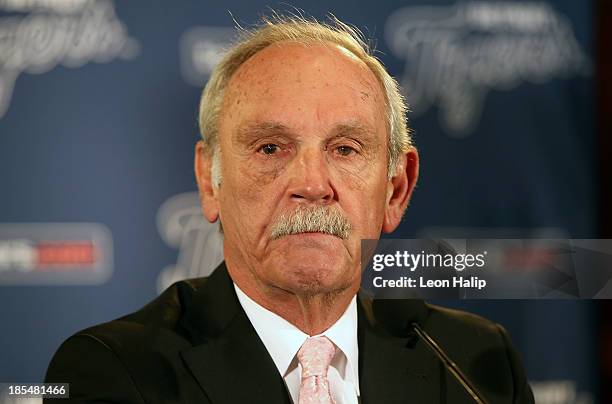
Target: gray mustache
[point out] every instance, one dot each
(307, 219)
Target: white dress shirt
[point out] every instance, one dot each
(283, 340)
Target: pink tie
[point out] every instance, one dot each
(315, 355)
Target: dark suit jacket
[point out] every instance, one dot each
(195, 344)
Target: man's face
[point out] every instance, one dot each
(301, 126)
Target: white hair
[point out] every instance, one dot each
(294, 28)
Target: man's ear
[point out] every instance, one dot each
(208, 193)
(400, 189)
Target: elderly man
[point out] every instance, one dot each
(305, 152)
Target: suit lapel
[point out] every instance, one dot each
(232, 365)
(227, 358)
(391, 369)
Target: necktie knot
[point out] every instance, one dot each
(315, 355)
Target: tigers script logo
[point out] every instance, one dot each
(455, 54)
(199, 243)
(57, 32)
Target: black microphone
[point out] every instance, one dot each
(403, 318)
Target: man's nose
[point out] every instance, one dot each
(310, 179)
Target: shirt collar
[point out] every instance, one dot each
(283, 340)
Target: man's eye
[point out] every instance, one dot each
(269, 148)
(345, 150)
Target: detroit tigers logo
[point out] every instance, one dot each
(199, 243)
(44, 34)
(456, 54)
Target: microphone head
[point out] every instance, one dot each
(397, 315)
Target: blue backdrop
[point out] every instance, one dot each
(98, 108)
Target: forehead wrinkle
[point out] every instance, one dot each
(354, 128)
(251, 131)
(293, 54)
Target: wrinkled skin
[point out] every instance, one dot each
(303, 125)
